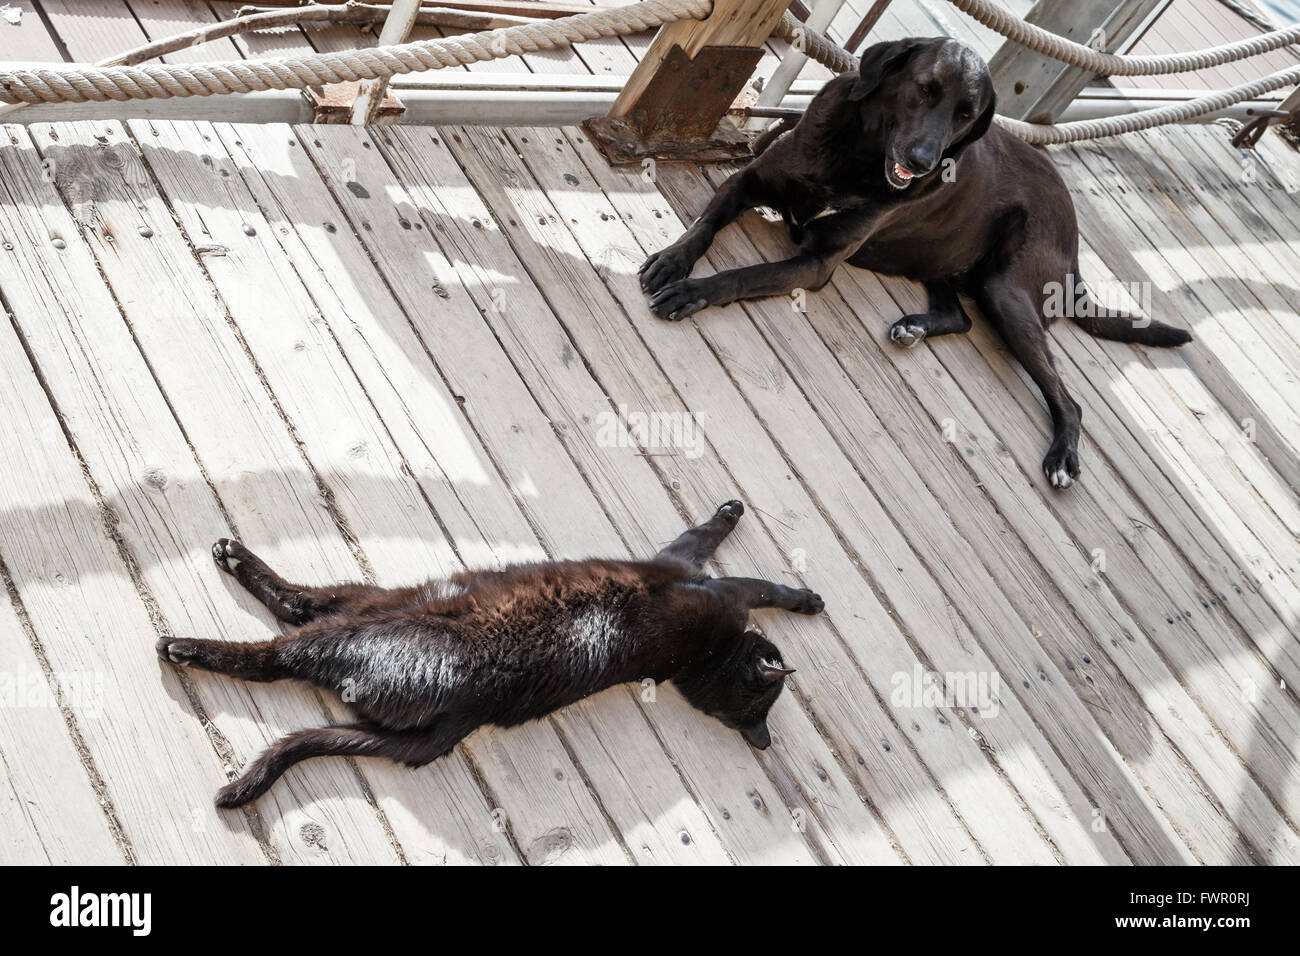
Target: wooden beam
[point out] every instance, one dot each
(659, 106)
(866, 25)
(1036, 88)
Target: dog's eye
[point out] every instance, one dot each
(929, 91)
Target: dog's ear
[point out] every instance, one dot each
(879, 60)
(977, 131)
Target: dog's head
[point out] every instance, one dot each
(740, 686)
(927, 99)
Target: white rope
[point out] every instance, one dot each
(1043, 135)
(77, 83)
(1001, 20)
(814, 45)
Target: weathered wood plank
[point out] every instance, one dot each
(157, 763)
(165, 18)
(161, 496)
(92, 31)
(49, 811)
(28, 39)
(1237, 330)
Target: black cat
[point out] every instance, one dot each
(426, 665)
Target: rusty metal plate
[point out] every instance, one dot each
(687, 97)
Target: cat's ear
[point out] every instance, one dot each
(757, 735)
(772, 671)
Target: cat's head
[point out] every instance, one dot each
(739, 686)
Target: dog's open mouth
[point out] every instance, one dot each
(898, 176)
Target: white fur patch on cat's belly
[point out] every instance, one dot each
(593, 632)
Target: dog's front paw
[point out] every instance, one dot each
(665, 266)
(906, 332)
(1061, 466)
(808, 602)
(680, 299)
(228, 554)
(731, 510)
(174, 651)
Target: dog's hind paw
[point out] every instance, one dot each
(731, 510)
(1061, 468)
(906, 334)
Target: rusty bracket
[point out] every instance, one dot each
(333, 103)
(1249, 135)
(677, 117)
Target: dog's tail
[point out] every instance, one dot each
(1120, 327)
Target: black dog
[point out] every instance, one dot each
(424, 666)
(900, 170)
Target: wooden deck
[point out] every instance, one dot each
(393, 353)
(389, 354)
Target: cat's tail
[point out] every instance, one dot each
(1104, 323)
(354, 740)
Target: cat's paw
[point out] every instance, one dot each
(731, 510)
(808, 602)
(174, 651)
(228, 554)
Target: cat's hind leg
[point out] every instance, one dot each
(255, 660)
(415, 748)
(696, 545)
(291, 603)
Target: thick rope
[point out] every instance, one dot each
(1043, 135)
(814, 45)
(1001, 20)
(77, 84)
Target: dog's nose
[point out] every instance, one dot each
(920, 160)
